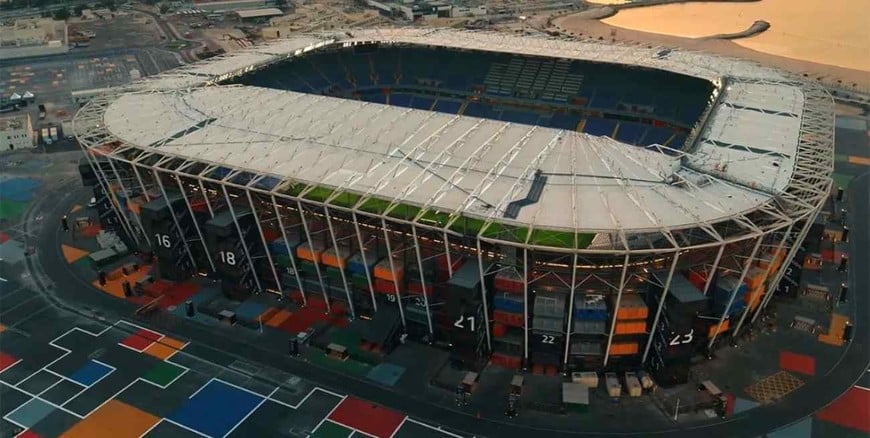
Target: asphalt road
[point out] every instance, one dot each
(50, 270)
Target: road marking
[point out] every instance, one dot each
(399, 426)
(326, 417)
(186, 428)
(252, 411)
(439, 429)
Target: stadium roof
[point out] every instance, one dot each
(765, 135)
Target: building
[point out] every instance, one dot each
(422, 10)
(16, 132)
(524, 201)
(231, 5)
(33, 37)
(258, 14)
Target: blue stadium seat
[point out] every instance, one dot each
(564, 121)
(402, 100)
(656, 135)
(608, 88)
(677, 142)
(421, 102)
(600, 127)
(630, 132)
(375, 97)
(448, 106)
(476, 109)
(604, 101)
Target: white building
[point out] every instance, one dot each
(16, 132)
(33, 37)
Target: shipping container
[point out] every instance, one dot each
(384, 271)
(362, 263)
(590, 307)
(630, 327)
(631, 307)
(336, 257)
(550, 305)
(510, 281)
(311, 251)
(624, 348)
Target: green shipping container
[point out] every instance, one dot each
(307, 268)
(282, 260)
(333, 274)
(360, 281)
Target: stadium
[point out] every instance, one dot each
(523, 201)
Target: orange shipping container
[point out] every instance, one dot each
(753, 297)
(755, 277)
(383, 270)
(712, 331)
(624, 349)
(310, 251)
(632, 307)
(336, 259)
(630, 327)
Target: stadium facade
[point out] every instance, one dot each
(531, 201)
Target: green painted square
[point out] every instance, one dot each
(329, 429)
(163, 373)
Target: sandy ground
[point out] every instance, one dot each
(821, 32)
(848, 78)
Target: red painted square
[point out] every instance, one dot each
(4, 237)
(141, 340)
(29, 434)
(850, 410)
(798, 363)
(367, 417)
(6, 361)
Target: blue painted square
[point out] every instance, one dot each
(31, 413)
(216, 409)
(386, 374)
(741, 405)
(90, 373)
(250, 310)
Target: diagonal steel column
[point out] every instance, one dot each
(289, 251)
(662, 299)
(242, 238)
(265, 244)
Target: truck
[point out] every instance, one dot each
(53, 132)
(41, 111)
(46, 136)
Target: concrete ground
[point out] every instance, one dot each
(52, 298)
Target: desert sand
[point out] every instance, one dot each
(788, 52)
(810, 30)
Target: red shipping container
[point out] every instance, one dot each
(499, 330)
(415, 287)
(699, 279)
(506, 361)
(507, 318)
(384, 286)
(510, 285)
